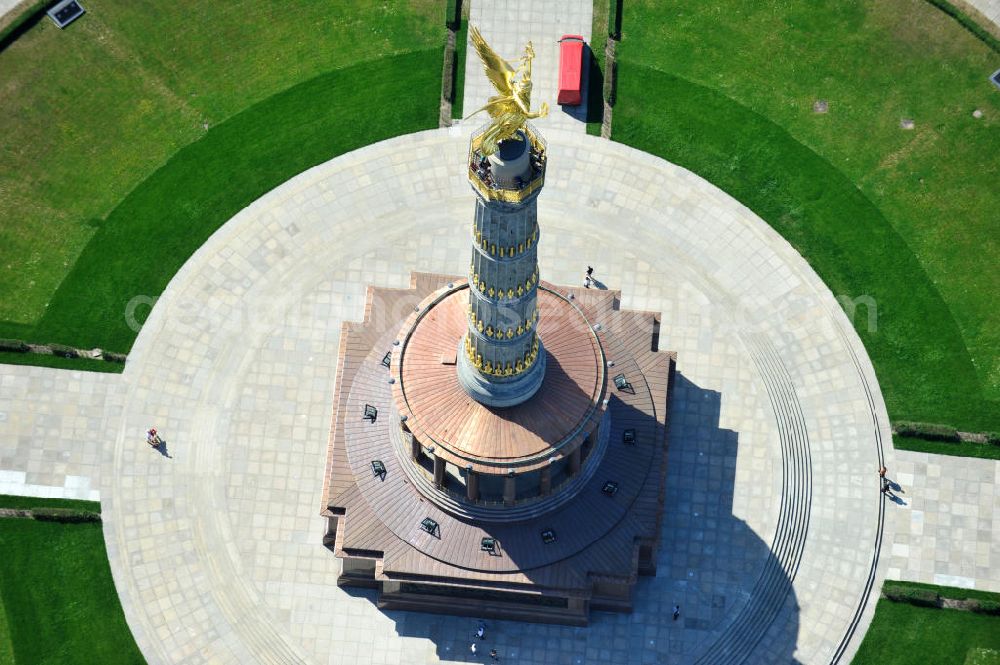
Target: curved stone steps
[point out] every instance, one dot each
(738, 641)
(872, 571)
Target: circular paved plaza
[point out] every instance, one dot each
(773, 520)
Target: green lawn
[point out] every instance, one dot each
(91, 113)
(168, 216)
(58, 601)
(903, 634)
(905, 217)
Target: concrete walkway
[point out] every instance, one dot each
(772, 540)
(947, 521)
(52, 431)
(508, 25)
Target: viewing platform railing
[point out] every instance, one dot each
(481, 178)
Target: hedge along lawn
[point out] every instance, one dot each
(57, 596)
(905, 217)
(953, 593)
(959, 448)
(42, 360)
(461, 49)
(29, 502)
(92, 111)
(598, 68)
(904, 634)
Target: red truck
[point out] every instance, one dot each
(570, 69)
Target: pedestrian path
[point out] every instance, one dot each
(508, 25)
(947, 526)
(52, 431)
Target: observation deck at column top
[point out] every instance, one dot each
(480, 175)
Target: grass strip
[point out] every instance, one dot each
(58, 362)
(957, 448)
(452, 12)
(30, 502)
(147, 238)
(58, 597)
(458, 80)
(599, 28)
(6, 642)
(922, 364)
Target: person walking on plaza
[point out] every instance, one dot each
(886, 484)
(677, 612)
(588, 279)
(481, 630)
(472, 648)
(493, 655)
(152, 438)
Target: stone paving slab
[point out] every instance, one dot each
(508, 25)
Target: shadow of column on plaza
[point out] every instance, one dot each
(734, 593)
(736, 598)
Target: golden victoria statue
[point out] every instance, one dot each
(512, 107)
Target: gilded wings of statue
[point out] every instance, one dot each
(511, 108)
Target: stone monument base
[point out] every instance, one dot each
(411, 457)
